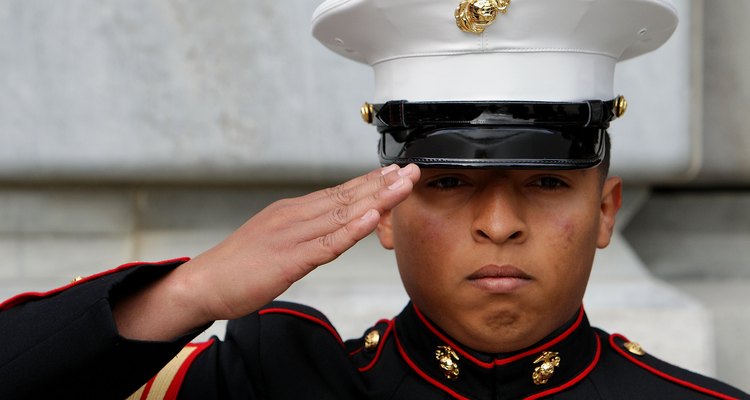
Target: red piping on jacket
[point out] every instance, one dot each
(381, 344)
(575, 380)
(663, 374)
(28, 296)
(174, 387)
(382, 321)
(176, 383)
(539, 395)
(316, 320)
(424, 375)
(503, 361)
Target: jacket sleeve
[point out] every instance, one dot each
(65, 342)
(283, 351)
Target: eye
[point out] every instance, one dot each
(550, 183)
(446, 183)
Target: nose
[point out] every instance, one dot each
(498, 216)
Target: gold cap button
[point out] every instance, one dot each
(621, 105)
(367, 112)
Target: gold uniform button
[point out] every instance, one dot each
(371, 340)
(76, 279)
(634, 348)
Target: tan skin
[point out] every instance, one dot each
(443, 227)
(542, 226)
(261, 259)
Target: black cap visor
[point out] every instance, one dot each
(487, 146)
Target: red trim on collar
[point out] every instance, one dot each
(547, 345)
(381, 344)
(575, 380)
(503, 361)
(424, 375)
(316, 320)
(28, 296)
(663, 374)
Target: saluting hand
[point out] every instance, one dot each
(266, 255)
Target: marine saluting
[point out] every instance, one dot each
(494, 194)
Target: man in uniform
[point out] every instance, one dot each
(494, 196)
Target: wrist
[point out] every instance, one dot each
(159, 310)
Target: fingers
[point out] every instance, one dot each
(328, 247)
(290, 238)
(372, 175)
(342, 206)
(343, 225)
(369, 188)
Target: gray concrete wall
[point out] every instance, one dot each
(151, 129)
(726, 83)
(175, 91)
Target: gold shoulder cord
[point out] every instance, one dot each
(164, 378)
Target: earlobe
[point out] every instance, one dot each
(610, 203)
(385, 230)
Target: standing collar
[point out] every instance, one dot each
(508, 375)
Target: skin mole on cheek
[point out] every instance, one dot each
(567, 233)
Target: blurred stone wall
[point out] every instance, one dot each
(146, 130)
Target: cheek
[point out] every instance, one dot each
(563, 233)
(574, 230)
(568, 233)
(422, 230)
(572, 241)
(424, 244)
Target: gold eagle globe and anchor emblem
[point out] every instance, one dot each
(542, 373)
(474, 16)
(447, 359)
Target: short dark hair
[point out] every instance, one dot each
(604, 165)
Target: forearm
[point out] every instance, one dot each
(262, 258)
(160, 310)
(58, 340)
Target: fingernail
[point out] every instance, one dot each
(388, 169)
(397, 184)
(407, 170)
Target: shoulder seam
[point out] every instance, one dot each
(301, 315)
(661, 374)
(381, 345)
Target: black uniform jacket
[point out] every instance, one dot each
(64, 344)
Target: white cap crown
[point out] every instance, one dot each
(540, 50)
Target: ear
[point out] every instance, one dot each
(610, 204)
(385, 230)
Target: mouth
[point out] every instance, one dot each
(499, 279)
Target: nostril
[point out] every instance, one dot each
(515, 235)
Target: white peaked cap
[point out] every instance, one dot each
(540, 50)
